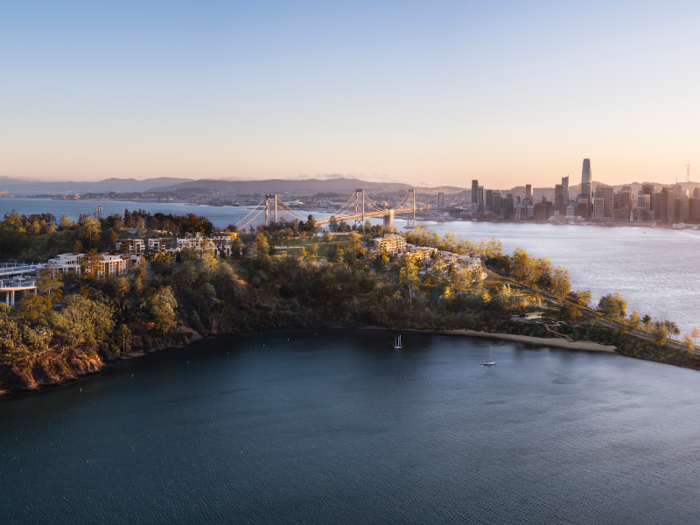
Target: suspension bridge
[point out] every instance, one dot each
(358, 208)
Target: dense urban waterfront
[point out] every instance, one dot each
(653, 268)
(335, 426)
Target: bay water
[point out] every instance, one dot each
(335, 426)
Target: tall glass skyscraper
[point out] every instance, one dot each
(586, 176)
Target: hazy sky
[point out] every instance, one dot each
(424, 92)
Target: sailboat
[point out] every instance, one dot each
(397, 343)
(490, 362)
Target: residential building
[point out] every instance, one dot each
(161, 244)
(392, 244)
(136, 246)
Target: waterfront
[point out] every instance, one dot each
(339, 427)
(653, 268)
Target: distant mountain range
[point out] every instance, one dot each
(239, 187)
(202, 186)
(338, 185)
(30, 187)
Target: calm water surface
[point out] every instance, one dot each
(339, 428)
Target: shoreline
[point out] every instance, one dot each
(587, 346)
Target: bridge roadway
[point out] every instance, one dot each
(368, 215)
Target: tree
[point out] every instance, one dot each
(695, 333)
(646, 321)
(583, 297)
(89, 229)
(659, 335)
(613, 306)
(81, 322)
(408, 276)
(49, 284)
(161, 309)
(122, 339)
(688, 344)
(90, 265)
(635, 320)
(260, 245)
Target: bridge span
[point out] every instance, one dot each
(359, 207)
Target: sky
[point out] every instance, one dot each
(434, 92)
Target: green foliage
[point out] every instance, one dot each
(613, 306)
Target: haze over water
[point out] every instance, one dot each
(338, 428)
(654, 269)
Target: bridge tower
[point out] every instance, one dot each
(270, 207)
(411, 220)
(441, 201)
(360, 205)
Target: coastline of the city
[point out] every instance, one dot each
(117, 286)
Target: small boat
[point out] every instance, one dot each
(397, 343)
(490, 362)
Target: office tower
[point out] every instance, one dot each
(488, 200)
(480, 198)
(683, 207)
(528, 192)
(558, 197)
(644, 202)
(695, 207)
(496, 201)
(665, 205)
(608, 195)
(582, 207)
(696, 193)
(475, 191)
(648, 189)
(586, 173)
(625, 199)
(565, 184)
(598, 208)
(586, 187)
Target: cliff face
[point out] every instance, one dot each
(54, 368)
(50, 369)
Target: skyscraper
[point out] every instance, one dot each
(558, 197)
(528, 192)
(480, 198)
(475, 190)
(607, 195)
(565, 184)
(586, 175)
(586, 188)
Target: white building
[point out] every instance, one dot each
(109, 264)
(160, 244)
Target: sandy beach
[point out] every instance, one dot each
(588, 346)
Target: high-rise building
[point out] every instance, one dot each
(558, 197)
(648, 189)
(683, 207)
(586, 173)
(480, 198)
(586, 188)
(598, 208)
(565, 184)
(496, 202)
(475, 191)
(528, 192)
(488, 200)
(665, 205)
(695, 207)
(608, 195)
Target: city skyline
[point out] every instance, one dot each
(427, 95)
